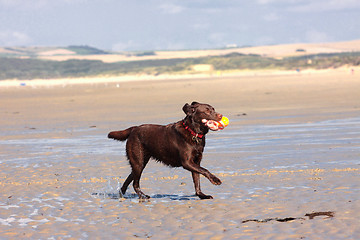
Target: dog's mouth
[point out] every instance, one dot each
(216, 125)
(211, 124)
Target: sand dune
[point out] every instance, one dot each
(275, 51)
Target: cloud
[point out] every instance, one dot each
(270, 17)
(201, 26)
(36, 4)
(263, 2)
(21, 3)
(325, 5)
(313, 5)
(169, 8)
(13, 38)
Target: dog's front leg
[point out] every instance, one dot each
(194, 168)
(199, 193)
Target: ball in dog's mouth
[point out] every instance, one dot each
(216, 125)
(211, 124)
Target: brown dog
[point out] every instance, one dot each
(179, 144)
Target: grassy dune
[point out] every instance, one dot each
(83, 61)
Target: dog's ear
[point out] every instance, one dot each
(194, 103)
(188, 109)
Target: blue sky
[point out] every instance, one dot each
(176, 24)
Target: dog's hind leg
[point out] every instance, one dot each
(137, 171)
(135, 176)
(128, 180)
(138, 159)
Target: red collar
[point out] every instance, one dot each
(197, 135)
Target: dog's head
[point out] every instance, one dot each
(202, 115)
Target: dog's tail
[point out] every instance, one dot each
(120, 135)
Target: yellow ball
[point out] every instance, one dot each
(224, 121)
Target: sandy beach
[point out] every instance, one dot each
(289, 160)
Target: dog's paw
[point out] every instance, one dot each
(144, 197)
(214, 180)
(203, 196)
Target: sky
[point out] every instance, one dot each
(145, 25)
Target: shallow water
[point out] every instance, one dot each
(52, 187)
(298, 139)
(292, 145)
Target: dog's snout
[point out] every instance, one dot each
(219, 116)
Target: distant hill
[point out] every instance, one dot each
(85, 61)
(39, 52)
(17, 68)
(86, 50)
(91, 53)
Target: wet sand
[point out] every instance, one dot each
(291, 149)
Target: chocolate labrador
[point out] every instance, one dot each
(179, 144)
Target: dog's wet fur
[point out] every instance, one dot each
(179, 144)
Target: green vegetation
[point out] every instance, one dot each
(16, 68)
(324, 60)
(149, 53)
(85, 50)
